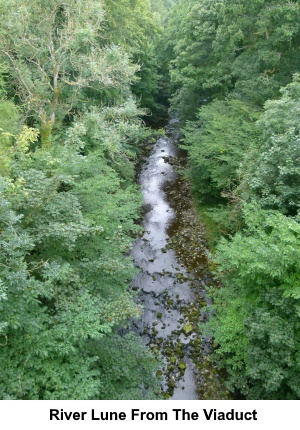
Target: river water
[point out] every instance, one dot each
(163, 282)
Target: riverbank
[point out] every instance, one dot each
(188, 237)
(174, 271)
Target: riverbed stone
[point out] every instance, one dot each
(179, 341)
(182, 367)
(188, 328)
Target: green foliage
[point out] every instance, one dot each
(56, 60)
(111, 130)
(275, 177)
(68, 203)
(64, 276)
(262, 39)
(68, 214)
(9, 115)
(257, 310)
(249, 48)
(132, 25)
(125, 364)
(12, 147)
(195, 76)
(216, 144)
(228, 61)
(160, 9)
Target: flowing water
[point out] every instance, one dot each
(163, 283)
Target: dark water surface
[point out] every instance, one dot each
(164, 283)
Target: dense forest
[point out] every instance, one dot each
(71, 130)
(83, 84)
(234, 75)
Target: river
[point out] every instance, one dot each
(164, 282)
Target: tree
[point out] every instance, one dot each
(69, 207)
(64, 277)
(9, 115)
(189, 35)
(256, 323)
(55, 55)
(261, 40)
(216, 143)
(132, 26)
(274, 173)
(247, 48)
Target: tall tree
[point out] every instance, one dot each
(274, 171)
(68, 209)
(55, 53)
(216, 144)
(9, 116)
(247, 48)
(256, 320)
(132, 25)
